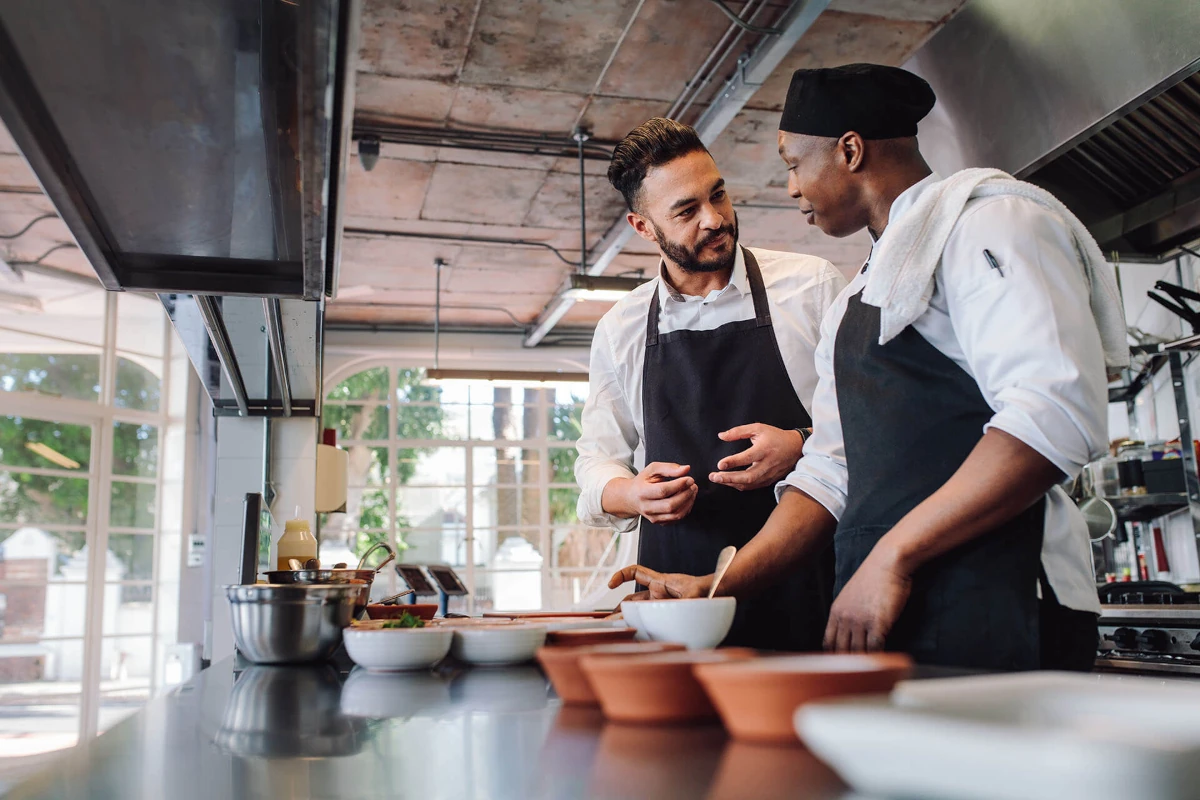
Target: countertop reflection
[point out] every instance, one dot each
(268, 732)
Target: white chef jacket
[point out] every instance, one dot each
(1026, 334)
(800, 289)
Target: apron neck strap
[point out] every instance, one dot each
(762, 311)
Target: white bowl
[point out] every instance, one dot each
(696, 623)
(633, 619)
(394, 649)
(497, 644)
(394, 694)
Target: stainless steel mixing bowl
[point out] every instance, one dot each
(287, 624)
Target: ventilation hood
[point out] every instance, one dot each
(189, 146)
(1097, 101)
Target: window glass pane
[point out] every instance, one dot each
(140, 323)
(132, 505)
(368, 466)
(565, 422)
(28, 442)
(578, 546)
(447, 421)
(354, 423)
(371, 384)
(445, 545)
(128, 609)
(430, 507)
(565, 589)
(563, 502)
(433, 466)
(507, 506)
(139, 383)
(562, 464)
(27, 499)
(512, 465)
(35, 605)
(135, 449)
(508, 590)
(570, 394)
(39, 690)
(130, 557)
(366, 509)
(32, 555)
(31, 364)
(504, 423)
(412, 387)
(125, 668)
(508, 549)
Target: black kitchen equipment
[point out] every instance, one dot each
(1163, 476)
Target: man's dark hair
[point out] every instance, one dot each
(653, 143)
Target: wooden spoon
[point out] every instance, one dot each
(723, 561)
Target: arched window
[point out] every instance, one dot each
(471, 473)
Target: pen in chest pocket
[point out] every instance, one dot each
(992, 262)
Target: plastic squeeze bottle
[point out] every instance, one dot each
(297, 542)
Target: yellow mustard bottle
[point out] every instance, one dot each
(297, 542)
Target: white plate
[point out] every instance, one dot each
(393, 649)
(497, 644)
(1028, 736)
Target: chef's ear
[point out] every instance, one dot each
(850, 151)
(642, 225)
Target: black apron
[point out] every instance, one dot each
(910, 417)
(696, 384)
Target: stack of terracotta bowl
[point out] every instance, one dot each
(662, 683)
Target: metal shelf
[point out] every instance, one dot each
(1145, 507)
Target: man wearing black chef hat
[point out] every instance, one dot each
(961, 377)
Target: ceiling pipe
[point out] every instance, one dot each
(750, 75)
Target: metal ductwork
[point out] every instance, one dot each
(198, 150)
(1097, 101)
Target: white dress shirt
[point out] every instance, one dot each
(1026, 334)
(800, 289)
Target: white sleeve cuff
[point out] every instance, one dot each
(590, 508)
(1069, 457)
(819, 487)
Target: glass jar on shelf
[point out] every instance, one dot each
(1129, 468)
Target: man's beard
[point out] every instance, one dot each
(688, 259)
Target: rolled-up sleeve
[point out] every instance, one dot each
(821, 471)
(608, 441)
(1026, 329)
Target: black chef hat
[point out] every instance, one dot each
(875, 101)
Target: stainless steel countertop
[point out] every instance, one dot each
(487, 733)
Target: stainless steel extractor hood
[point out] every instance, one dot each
(1096, 100)
(190, 146)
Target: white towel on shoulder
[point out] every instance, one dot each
(901, 278)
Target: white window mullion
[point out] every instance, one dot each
(98, 514)
(393, 471)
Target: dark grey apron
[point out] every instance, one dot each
(695, 385)
(910, 417)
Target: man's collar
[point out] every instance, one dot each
(737, 280)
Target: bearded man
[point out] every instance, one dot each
(702, 381)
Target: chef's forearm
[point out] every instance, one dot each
(617, 500)
(1000, 478)
(798, 528)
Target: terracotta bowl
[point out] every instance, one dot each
(422, 610)
(581, 636)
(655, 689)
(757, 698)
(562, 666)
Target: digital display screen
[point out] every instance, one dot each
(414, 576)
(447, 579)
